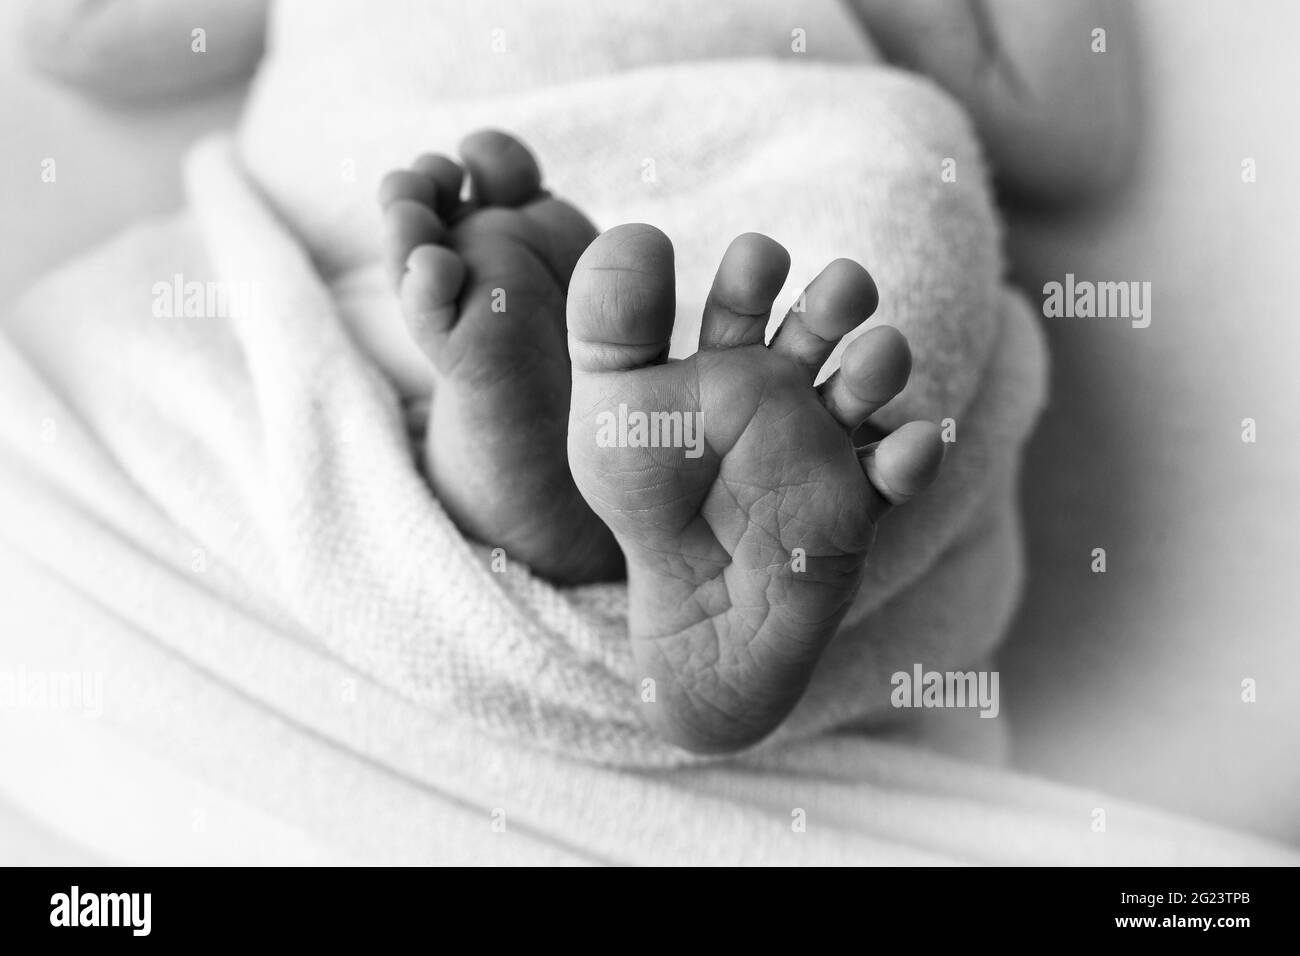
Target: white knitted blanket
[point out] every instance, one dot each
(220, 512)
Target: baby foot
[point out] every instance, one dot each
(482, 284)
(744, 549)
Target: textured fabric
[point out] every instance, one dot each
(706, 122)
(303, 660)
(271, 442)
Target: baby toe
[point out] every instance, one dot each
(428, 294)
(904, 463)
(749, 278)
(448, 177)
(564, 232)
(874, 369)
(621, 300)
(407, 184)
(407, 225)
(501, 169)
(841, 298)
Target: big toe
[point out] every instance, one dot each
(622, 298)
(565, 233)
(502, 171)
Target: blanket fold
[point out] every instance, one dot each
(242, 403)
(208, 496)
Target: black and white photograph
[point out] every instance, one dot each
(516, 433)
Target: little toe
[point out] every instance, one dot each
(840, 299)
(428, 293)
(621, 300)
(408, 224)
(502, 171)
(750, 276)
(903, 463)
(874, 369)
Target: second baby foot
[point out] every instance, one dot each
(482, 284)
(744, 511)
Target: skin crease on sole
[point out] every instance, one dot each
(742, 559)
